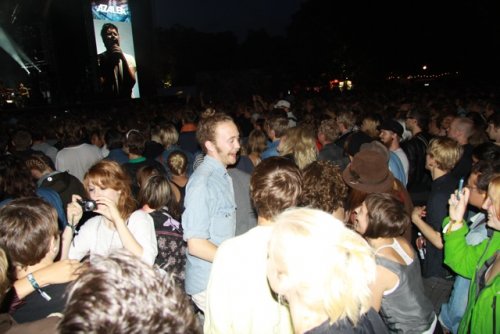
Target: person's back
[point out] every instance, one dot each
(77, 156)
(78, 159)
(156, 198)
(406, 308)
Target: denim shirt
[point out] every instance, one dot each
(210, 213)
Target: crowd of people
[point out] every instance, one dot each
(357, 214)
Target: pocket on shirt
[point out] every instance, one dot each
(224, 224)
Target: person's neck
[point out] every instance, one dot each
(377, 242)
(394, 146)
(305, 319)
(147, 209)
(178, 178)
(416, 131)
(46, 261)
(261, 221)
(437, 173)
(339, 213)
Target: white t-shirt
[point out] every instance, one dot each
(239, 299)
(78, 159)
(96, 238)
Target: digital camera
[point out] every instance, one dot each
(87, 205)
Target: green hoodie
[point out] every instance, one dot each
(482, 313)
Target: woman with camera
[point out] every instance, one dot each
(117, 224)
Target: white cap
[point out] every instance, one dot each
(282, 104)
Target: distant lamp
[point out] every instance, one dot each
(348, 84)
(341, 85)
(424, 67)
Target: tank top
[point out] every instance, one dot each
(406, 309)
(182, 190)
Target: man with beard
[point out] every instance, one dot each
(210, 210)
(116, 69)
(390, 135)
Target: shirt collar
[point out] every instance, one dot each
(216, 164)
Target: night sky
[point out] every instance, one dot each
(403, 35)
(223, 15)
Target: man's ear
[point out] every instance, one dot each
(210, 146)
(55, 245)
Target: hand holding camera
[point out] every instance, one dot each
(74, 211)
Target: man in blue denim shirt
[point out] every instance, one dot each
(209, 217)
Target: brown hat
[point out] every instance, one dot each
(377, 147)
(369, 172)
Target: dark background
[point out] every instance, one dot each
(243, 47)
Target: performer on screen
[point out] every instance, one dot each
(116, 69)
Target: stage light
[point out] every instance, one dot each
(11, 48)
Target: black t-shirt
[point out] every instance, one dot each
(437, 210)
(35, 307)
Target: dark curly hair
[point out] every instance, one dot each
(324, 187)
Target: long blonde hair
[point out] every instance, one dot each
(300, 141)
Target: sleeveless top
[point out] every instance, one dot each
(182, 190)
(405, 309)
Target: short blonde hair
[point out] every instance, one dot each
(168, 135)
(445, 151)
(347, 118)
(328, 266)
